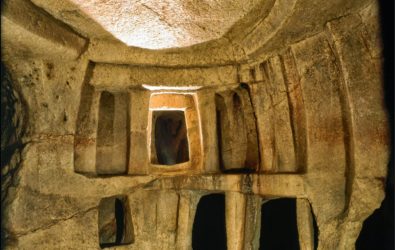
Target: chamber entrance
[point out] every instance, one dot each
(209, 227)
(170, 137)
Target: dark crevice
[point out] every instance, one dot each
(239, 171)
(315, 229)
(120, 221)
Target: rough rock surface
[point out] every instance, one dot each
(279, 99)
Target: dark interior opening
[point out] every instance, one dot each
(120, 221)
(171, 140)
(278, 225)
(378, 229)
(209, 231)
(115, 224)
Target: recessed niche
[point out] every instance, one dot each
(112, 134)
(173, 138)
(279, 225)
(209, 226)
(170, 140)
(236, 132)
(115, 222)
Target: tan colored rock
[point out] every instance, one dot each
(265, 100)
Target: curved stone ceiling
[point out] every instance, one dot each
(154, 24)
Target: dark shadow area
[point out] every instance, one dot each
(239, 171)
(115, 224)
(316, 231)
(209, 231)
(171, 140)
(378, 229)
(279, 229)
(13, 125)
(120, 221)
(9, 125)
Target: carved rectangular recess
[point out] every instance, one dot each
(112, 144)
(101, 144)
(174, 142)
(236, 131)
(115, 222)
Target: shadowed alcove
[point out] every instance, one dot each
(209, 231)
(112, 133)
(171, 140)
(278, 225)
(235, 116)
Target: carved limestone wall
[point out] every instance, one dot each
(121, 146)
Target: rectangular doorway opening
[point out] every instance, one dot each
(279, 225)
(209, 226)
(169, 137)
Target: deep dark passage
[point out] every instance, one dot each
(209, 231)
(278, 225)
(171, 141)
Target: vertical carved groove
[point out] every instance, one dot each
(296, 109)
(266, 126)
(347, 119)
(284, 160)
